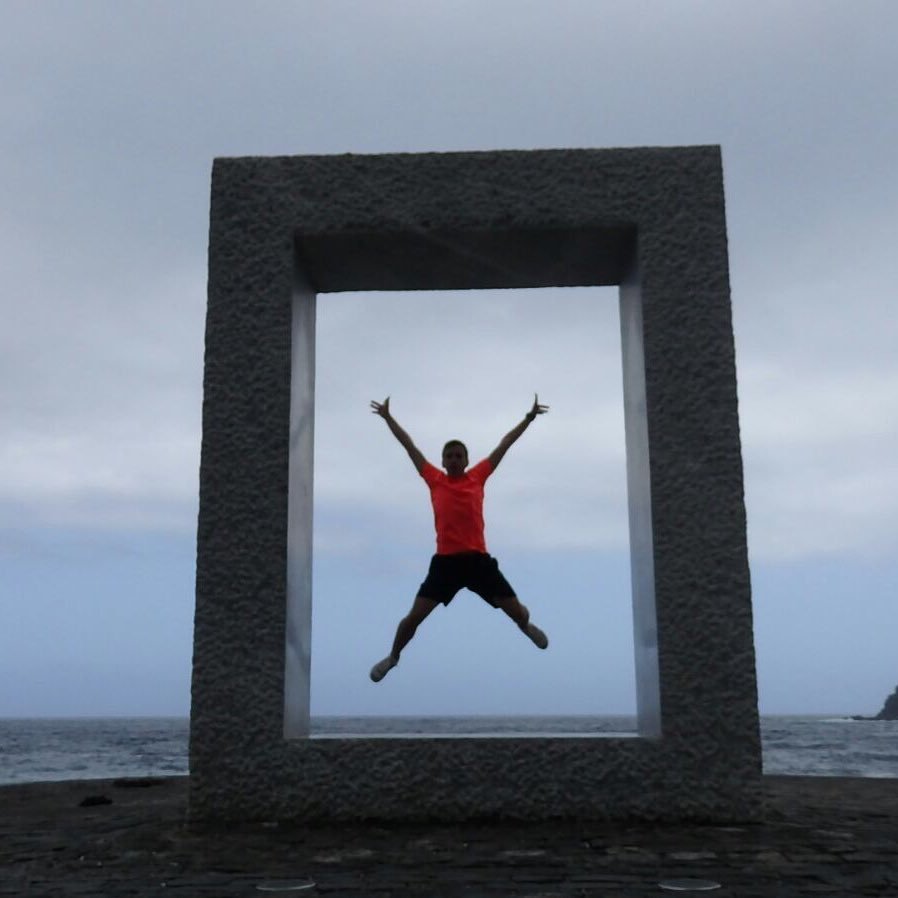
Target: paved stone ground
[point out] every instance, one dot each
(820, 836)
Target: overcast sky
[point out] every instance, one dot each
(111, 116)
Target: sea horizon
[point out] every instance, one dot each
(849, 715)
(41, 749)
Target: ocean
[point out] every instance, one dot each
(35, 750)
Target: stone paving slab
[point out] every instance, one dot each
(820, 836)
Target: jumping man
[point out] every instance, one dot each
(461, 559)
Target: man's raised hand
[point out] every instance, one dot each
(537, 409)
(505, 443)
(383, 409)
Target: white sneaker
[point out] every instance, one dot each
(382, 668)
(537, 637)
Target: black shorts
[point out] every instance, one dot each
(476, 571)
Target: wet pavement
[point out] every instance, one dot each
(819, 836)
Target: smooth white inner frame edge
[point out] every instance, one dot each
(298, 642)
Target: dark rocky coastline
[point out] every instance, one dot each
(889, 709)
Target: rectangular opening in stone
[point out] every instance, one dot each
(465, 364)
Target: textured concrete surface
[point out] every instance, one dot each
(816, 837)
(650, 219)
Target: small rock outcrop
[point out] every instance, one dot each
(890, 708)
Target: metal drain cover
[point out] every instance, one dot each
(689, 885)
(286, 885)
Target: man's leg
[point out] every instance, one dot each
(421, 607)
(489, 583)
(520, 614)
(404, 632)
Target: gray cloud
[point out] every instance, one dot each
(113, 113)
(111, 116)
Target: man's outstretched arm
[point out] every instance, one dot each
(414, 453)
(505, 443)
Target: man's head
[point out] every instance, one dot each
(455, 458)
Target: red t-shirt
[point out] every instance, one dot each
(458, 507)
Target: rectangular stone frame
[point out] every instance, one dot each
(284, 229)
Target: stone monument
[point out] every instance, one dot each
(286, 229)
